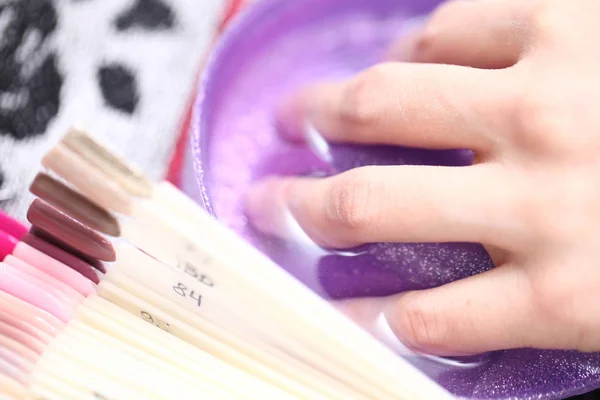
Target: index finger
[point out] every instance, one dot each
(415, 105)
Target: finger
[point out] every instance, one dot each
(487, 312)
(482, 34)
(391, 204)
(414, 105)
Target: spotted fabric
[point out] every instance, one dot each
(123, 69)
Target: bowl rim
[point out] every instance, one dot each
(239, 24)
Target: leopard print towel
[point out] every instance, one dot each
(122, 69)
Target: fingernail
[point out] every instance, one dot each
(406, 48)
(289, 119)
(266, 209)
(293, 125)
(370, 314)
(387, 336)
(317, 143)
(258, 200)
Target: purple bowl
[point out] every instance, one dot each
(279, 46)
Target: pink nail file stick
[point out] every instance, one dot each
(66, 290)
(24, 327)
(42, 285)
(39, 318)
(12, 226)
(10, 245)
(17, 286)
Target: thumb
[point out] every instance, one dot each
(486, 312)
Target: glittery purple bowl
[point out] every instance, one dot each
(279, 46)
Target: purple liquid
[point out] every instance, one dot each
(250, 146)
(280, 47)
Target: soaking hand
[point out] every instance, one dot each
(518, 82)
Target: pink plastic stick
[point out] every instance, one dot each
(18, 286)
(71, 294)
(12, 226)
(54, 268)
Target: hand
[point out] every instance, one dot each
(517, 82)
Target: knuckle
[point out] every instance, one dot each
(564, 309)
(425, 43)
(530, 113)
(428, 42)
(348, 202)
(448, 10)
(420, 327)
(541, 124)
(552, 302)
(361, 96)
(550, 118)
(556, 207)
(551, 221)
(545, 16)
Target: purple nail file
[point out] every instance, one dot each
(279, 46)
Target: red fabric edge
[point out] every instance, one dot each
(176, 164)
